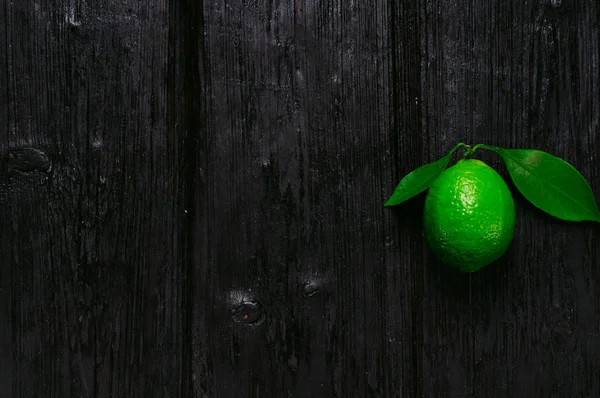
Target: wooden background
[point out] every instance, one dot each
(191, 196)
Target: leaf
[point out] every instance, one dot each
(419, 179)
(551, 184)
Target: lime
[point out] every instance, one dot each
(469, 216)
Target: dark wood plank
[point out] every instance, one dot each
(516, 74)
(95, 254)
(6, 317)
(312, 281)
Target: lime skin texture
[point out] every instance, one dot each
(469, 216)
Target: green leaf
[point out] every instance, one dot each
(551, 184)
(419, 179)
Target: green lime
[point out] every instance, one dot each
(469, 216)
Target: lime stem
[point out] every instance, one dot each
(470, 151)
(459, 145)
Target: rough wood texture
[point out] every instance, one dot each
(192, 196)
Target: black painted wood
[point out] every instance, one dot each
(192, 196)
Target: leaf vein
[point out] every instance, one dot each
(557, 188)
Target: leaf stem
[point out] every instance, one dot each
(484, 146)
(459, 145)
(470, 151)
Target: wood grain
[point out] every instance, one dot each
(193, 196)
(94, 248)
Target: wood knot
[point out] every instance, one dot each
(28, 160)
(555, 3)
(311, 288)
(247, 313)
